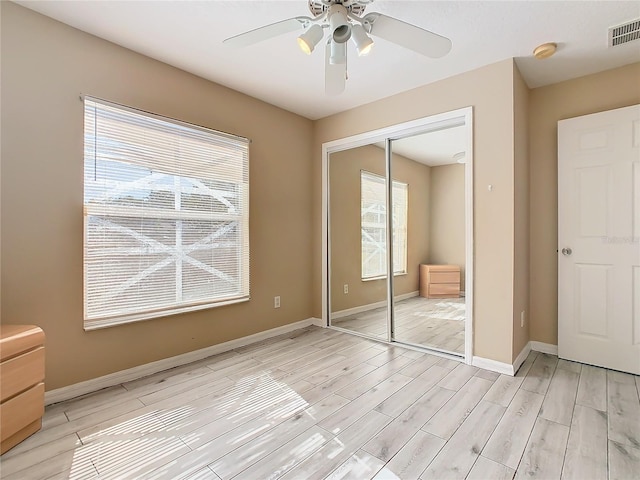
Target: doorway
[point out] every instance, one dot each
(406, 277)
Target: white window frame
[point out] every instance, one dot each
(186, 171)
(400, 227)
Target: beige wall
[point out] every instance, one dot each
(447, 217)
(490, 91)
(346, 251)
(521, 213)
(590, 94)
(45, 67)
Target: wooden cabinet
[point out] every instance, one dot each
(439, 281)
(21, 383)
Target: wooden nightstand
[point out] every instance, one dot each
(21, 383)
(439, 281)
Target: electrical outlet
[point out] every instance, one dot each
(522, 318)
(346, 288)
(276, 302)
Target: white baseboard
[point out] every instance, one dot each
(493, 365)
(318, 322)
(522, 356)
(505, 368)
(116, 378)
(372, 306)
(544, 348)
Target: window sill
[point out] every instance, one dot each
(106, 322)
(383, 277)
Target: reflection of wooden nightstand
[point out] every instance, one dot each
(439, 281)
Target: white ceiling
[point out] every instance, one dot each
(434, 149)
(189, 34)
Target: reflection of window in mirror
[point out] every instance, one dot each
(374, 226)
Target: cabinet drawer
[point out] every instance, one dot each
(449, 289)
(444, 277)
(22, 410)
(21, 372)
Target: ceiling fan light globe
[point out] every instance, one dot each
(309, 39)
(362, 41)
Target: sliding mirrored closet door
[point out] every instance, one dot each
(429, 239)
(358, 247)
(399, 234)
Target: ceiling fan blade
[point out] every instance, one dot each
(335, 75)
(409, 36)
(266, 32)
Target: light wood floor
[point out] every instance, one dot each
(319, 403)
(423, 321)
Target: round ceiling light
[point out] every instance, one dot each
(545, 50)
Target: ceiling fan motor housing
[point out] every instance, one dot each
(321, 7)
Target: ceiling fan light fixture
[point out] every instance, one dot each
(309, 39)
(338, 53)
(339, 24)
(362, 41)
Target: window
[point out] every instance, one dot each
(374, 226)
(166, 208)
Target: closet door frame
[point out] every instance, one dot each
(463, 116)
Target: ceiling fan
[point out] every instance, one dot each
(344, 20)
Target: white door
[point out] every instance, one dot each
(599, 239)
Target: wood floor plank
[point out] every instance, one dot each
(569, 365)
(624, 461)
(457, 457)
(545, 451)
(453, 413)
(624, 413)
(407, 395)
(560, 399)
(73, 464)
(393, 437)
(360, 465)
(357, 408)
(540, 374)
(485, 469)
(204, 474)
(592, 388)
(458, 377)
(53, 419)
(61, 447)
(63, 430)
(526, 365)
(503, 390)
(134, 458)
(338, 450)
(487, 374)
(263, 413)
(413, 457)
(421, 365)
(586, 455)
(284, 458)
(251, 452)
(378, 375)
(509, 440)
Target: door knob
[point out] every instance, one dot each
(566, 251)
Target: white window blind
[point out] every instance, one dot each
(166, 209)
(374, 226)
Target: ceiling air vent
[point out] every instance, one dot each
(624, 33)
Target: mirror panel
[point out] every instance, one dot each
(429, 304)
(357, 241)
